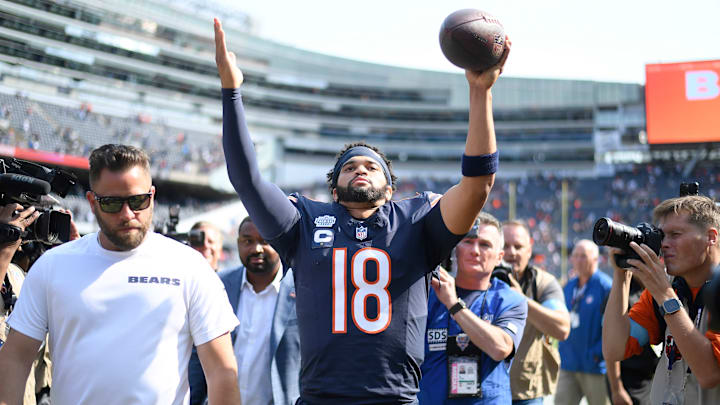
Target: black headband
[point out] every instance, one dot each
(359, 151)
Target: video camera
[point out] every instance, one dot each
(193, 238)
(29, 184)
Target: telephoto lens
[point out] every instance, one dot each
(607, 232)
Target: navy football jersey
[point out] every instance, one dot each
(362, 297)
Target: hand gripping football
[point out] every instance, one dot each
(472, 39)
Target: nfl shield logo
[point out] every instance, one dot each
(361, 232)
(462, 340)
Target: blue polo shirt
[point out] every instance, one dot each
(499, 305)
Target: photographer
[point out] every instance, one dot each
(671, 311)
(13, 220)
(209, 244)
(535, 370)
(13, 215)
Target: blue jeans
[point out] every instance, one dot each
(534, 401)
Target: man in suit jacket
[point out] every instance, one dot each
(264, 301)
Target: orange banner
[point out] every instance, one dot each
(682, 102)
(44, 157)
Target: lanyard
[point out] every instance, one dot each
(464, 368)
(578, 295)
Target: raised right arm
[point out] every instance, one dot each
(272, 212)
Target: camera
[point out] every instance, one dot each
(606, 232)
(29, 184)
(195, 237)
(502, 272)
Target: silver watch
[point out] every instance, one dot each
(670, 306)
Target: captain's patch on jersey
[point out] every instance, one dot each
(325, 221)
(437, 339)
(323, 238)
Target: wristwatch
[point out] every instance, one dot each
(459, 306)
(670, 306)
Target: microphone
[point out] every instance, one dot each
(18, 183)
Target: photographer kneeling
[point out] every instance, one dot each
(671, 310)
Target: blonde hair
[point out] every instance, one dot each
(702, 211)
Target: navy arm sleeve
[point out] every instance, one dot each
(271, 211)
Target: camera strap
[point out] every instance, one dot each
(529, 280)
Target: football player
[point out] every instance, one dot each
(360, 262)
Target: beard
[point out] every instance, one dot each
(123, 241)
(266, 266)
(360, 195)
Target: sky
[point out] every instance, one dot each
(610, 40)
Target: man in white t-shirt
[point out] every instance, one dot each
(122, 306)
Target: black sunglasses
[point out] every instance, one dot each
(113, 205)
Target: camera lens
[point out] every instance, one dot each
(602, 231)
(609, 233)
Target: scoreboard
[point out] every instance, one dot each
(682, 102)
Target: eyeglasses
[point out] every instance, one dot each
(113, 205)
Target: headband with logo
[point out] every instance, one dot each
(360, 151)
(473, 232)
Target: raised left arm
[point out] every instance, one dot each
(462, 202)
(220, 367)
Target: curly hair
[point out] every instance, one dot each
(349, 146)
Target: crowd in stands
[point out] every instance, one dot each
(76, 131)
